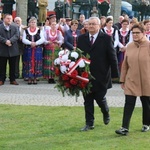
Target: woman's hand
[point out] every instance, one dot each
(33, 44)
(122, 86)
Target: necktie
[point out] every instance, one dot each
(92, 40)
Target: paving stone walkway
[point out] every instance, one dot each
(45, 94)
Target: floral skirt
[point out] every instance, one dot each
(32, 62)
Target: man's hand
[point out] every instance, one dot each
(8, 43)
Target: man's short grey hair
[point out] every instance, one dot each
(98, 20)
(86, 20)
(17, 18)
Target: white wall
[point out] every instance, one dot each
(51, 5)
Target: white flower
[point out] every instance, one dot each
(71, 64)
(64, 58)
(63, 69)
(75, 55)
(57, 61)
(82, 64)
(61, 53)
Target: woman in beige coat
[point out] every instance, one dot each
(135, 78)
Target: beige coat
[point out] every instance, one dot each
(135, 71)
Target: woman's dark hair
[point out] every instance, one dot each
(107, 20)
(140, 26)
(125, 20)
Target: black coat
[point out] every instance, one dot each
(13, 36)
(8, 6)
(103, 59)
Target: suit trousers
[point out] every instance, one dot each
(89, 105)
(3, 64)
(129, 107)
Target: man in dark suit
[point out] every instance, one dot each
(9, 35)
(8, 6)
(59, 9)
(32, 8)
(103, 67)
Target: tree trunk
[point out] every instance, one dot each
(21, 8)
(115, 9)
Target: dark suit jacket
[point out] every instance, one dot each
(8, 6)
(103, 59)
(68, 39)
(13, 36)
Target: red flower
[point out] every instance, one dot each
(67, 85)
(74, 81)
(65, 77)
(83, 85)
(85, 74)
(74, 73)
(57, 71)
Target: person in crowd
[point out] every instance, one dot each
(136, 8)
(53, 41)
(103, 21)
(108, 29)
(42, 5)
(33, 37)
(9, 35)
(133, 21)
(94, 12)
(71, 36)
(125, 16)
(62, 25)
(85, 8)
(147, 27)
(125, 37)
(1, 21)
(68, 22)
(8, 6)
(85, 28)
(46, 24)
(18, 22)
(81, 20)
(32, 8)
(118, 24)
(59, 5)
(143, 8)
(135, 80)
(103, 7)
(103, 61)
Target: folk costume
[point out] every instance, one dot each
(148, 35)
(125, 37)
(114, 33)
(53, 41)
(32, 57)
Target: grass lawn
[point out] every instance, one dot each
(57, 128)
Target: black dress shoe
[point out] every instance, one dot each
(87, 127)
(122, 131)
(106, 118)
(51, 81)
